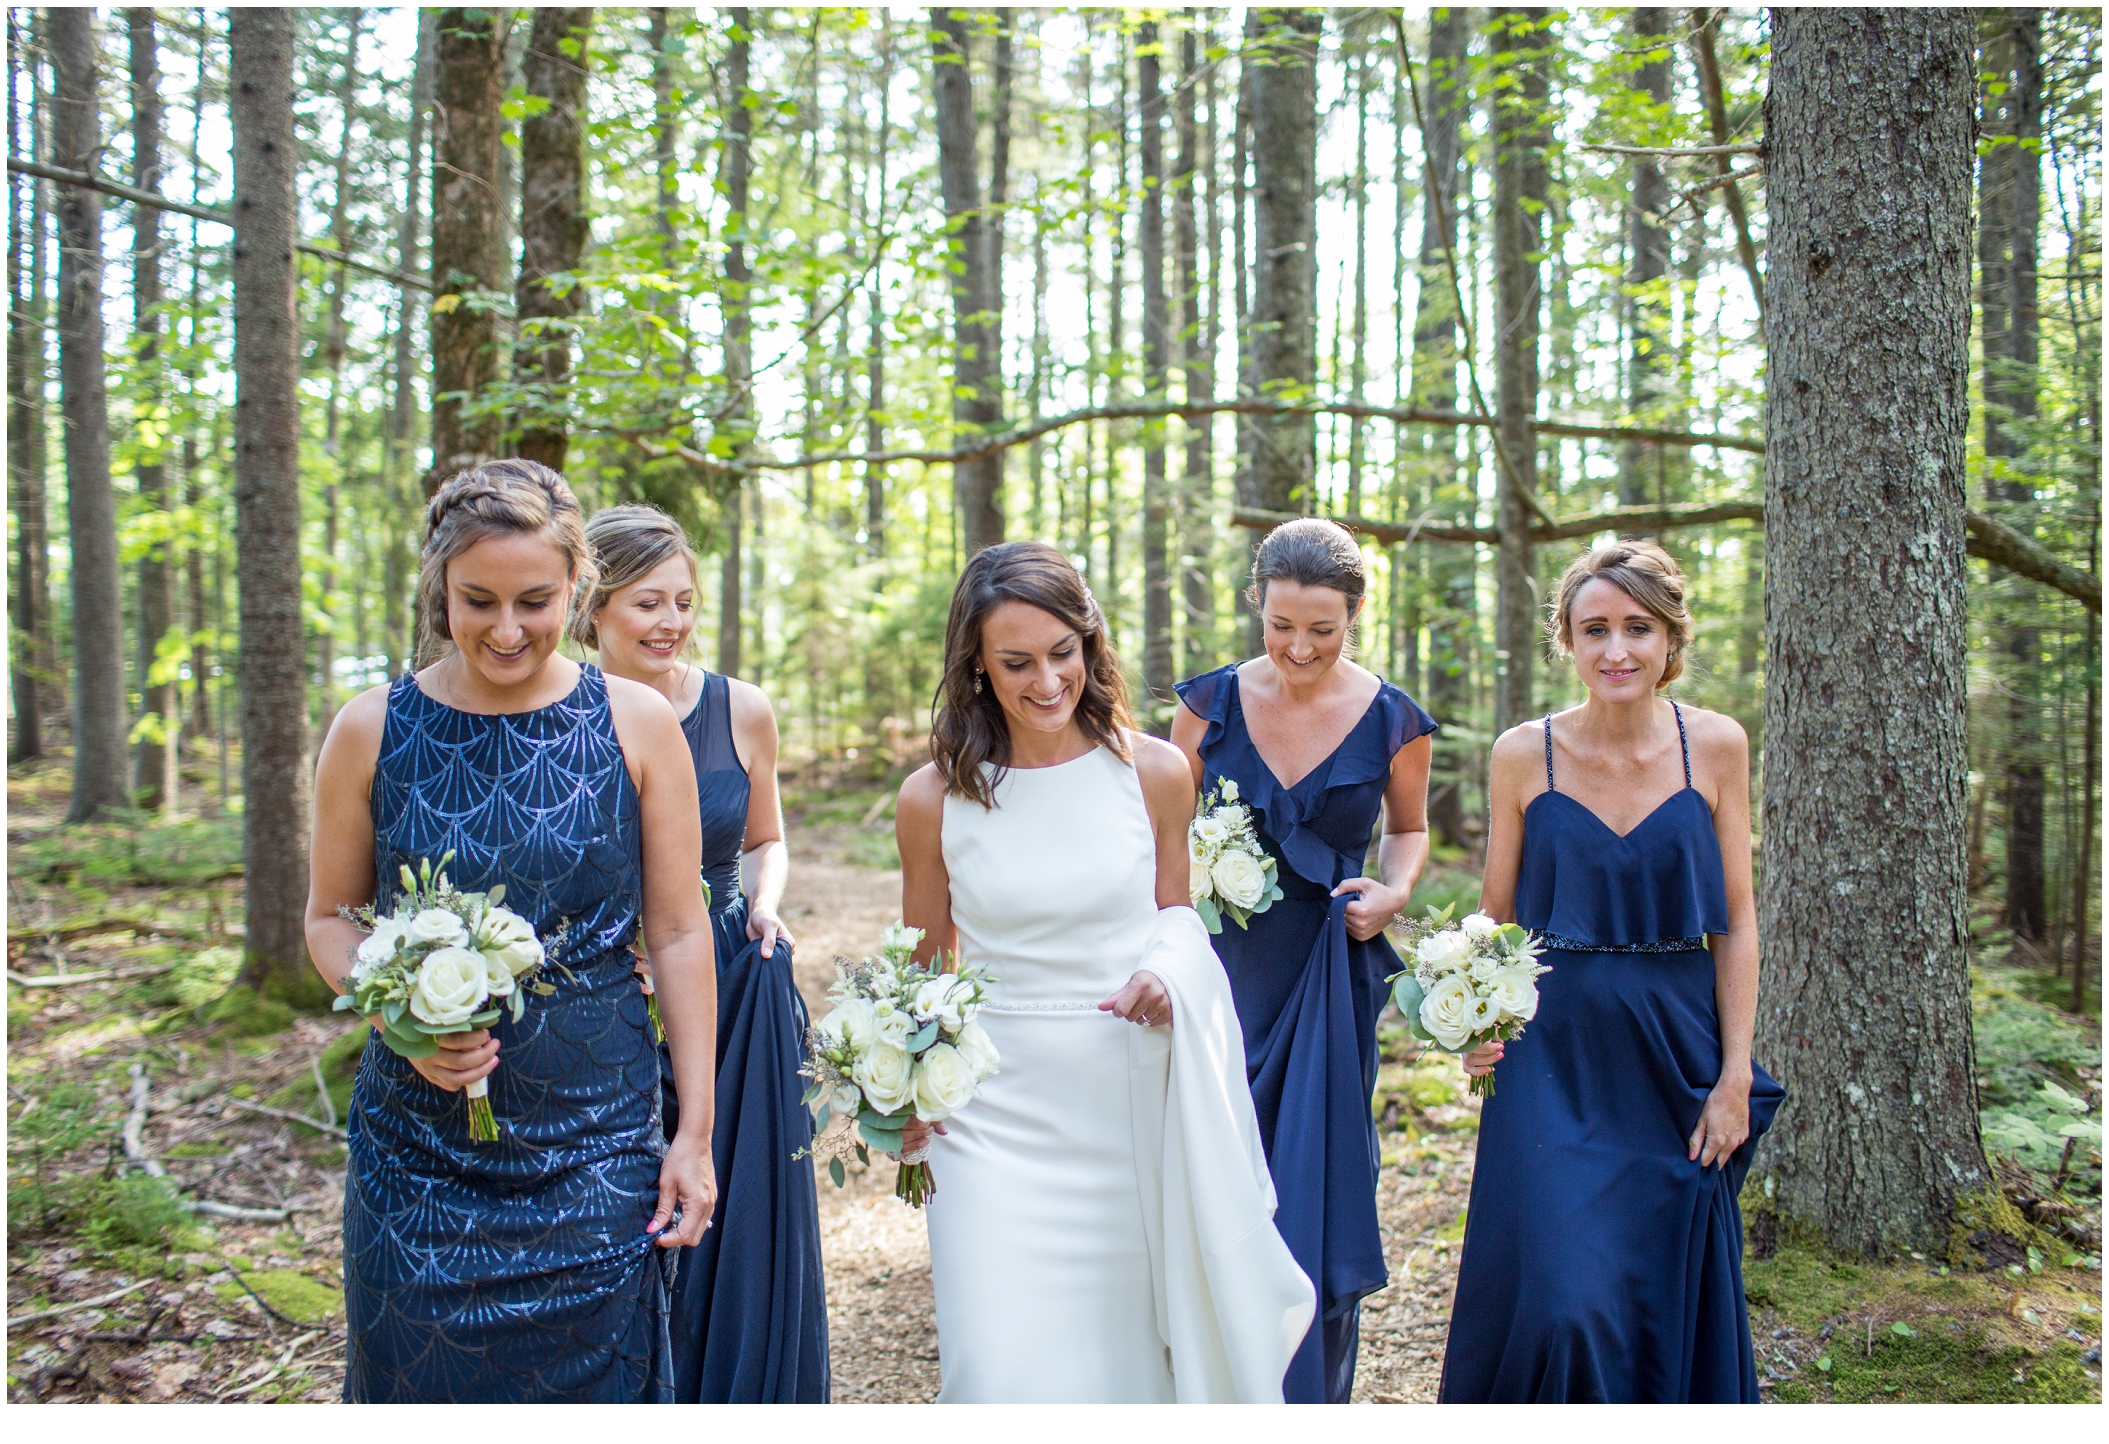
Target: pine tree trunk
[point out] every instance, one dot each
(267, 509)
(1156, 353)
(1284, 323)
(977, 407)
(875, 359)
(552, 222)
(2009, 206)
(1647, 262)
(1196, 544)
(398, 619)
(1864, 1013)
(101, 767)
(1520, 137)
(1453, 571)
(335, 345)
(1358, 348)
(735, 168)
(25, 419)
(466, 233)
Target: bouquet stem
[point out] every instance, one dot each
(1483, 1085)
(914, 1185)
(483, 1126)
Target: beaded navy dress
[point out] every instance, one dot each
(1307, 997)
(750, 1303)
(517, 1271)
(1601, 1265)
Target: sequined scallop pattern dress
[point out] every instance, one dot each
(520, 1271)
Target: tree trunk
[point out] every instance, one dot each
(875, 359)
(1197, 348)
(154, 764)
(552, 223)
(1865, 1013)
(398, 621)
(1283, 326)
(267, 508)
(1647, 262)
(735, 168)
(977, 406)
(25, 421)
(1358, 348)
(2009, 206)
(1519, 39)
(1157, 675)
(335, 344)
(1453, 571)
(100, 764)
(468, 263)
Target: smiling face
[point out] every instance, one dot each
(506, 600)
(1033, 662)
(1305, 628)
(645, 626)
(1621, 649)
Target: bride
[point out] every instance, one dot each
(1102, 1225)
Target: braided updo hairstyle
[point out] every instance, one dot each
(498, 498)
(1644, 572)
(629, 542)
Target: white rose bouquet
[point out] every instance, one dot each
(444, 961)
(1232, 874)
(1469, 984)
(902, 1042)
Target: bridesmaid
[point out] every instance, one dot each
(1317, 746)
(535, 1269)
(1603, 1245)
(750, 1308)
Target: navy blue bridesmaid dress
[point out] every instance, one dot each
(517, 1271)
(1601, 1265)
(750, 1303)
(1307, 997)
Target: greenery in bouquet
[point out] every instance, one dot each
(1232, 876)
(1471, 983)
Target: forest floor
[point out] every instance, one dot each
(120, 1289)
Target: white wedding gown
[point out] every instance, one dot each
(1038, 1246)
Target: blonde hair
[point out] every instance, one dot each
(1644, 572)
(629, 543)
(498, 498)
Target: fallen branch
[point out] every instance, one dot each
(67, 980)
(1676, 150)
(94, 928)
(135, 1127)
(1986, 539)
(95, 1303)
(289, 1116)
(247, 1215)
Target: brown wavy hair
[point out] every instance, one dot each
(629, 542)
(967, 728)
(498, 498)
(1644, 572)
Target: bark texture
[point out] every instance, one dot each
(101, 768)
(1518, 40)
(1647, 262)
(267, 508)
(977, 406)
(1282, 328)
(735, 167)
(1156, 354)
(1864, 1013)
(468, 262)
(552, 223)
(25, 422)
(1197, 335)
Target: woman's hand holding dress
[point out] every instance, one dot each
(688, 1179)
(1374, 907)
(1141, 1000)
(1723, 1123)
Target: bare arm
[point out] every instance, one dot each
(1187, 732)
(1514, 777)
(926, 888)
(768, 860)
(1724, 755)
(677, 938)
(1168, 795)
(1403, 850)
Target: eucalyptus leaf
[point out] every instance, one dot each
(1210, 917)
(827, 1114)
(924, 1037)
(886, 1141)
(837, 1172)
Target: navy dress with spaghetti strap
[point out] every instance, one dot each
(517, 1271)
(1307, 997)
(1601, 1265)
(750, 1305)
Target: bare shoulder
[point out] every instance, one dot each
(922, 796)
(1157, 762)
(630, 699)
(750, 704)
(1520, 746)
(355, 733)
(1715, 736)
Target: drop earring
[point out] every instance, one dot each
(977, 682)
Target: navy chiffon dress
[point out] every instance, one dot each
(517, 1271)
(1600, 1264)
(750, 1304)
(1307, 997)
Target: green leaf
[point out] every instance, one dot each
(1824, 1363)
(1903, 1330)
(837, 1172)
(1211, 918)
(863, 1155)
(885, 1140)
(1407, 992)
(924, 1037)
(826, 1115)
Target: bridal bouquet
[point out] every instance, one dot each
(444, 961)
(1470, 984)
(901, 1043)
(1232, 873)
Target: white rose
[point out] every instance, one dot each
(899, 938)
(1236, 818)
(1447, 949)
(851, 1022)
(1515, 992)
(944, 1081)
(887, 1076)
(379, 945)
(1485, 1014)
(1230, 790)
(1197, 884)
(1238, 879)
(1446, 1012)
(978, 1049)
(450, 986)
(508, 941)
(1479, 925)
(893, 1028)
(497, 977)
(1210, 831)
(1482, 968)
(847, 1101)
(941, 998)
(437, 925)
